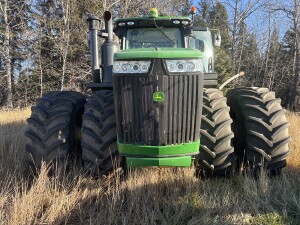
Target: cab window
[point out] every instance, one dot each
(153, 37)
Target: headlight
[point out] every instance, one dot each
(131, 66)
(185, 65)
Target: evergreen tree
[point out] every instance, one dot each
(13, 44)
(218, 19)
(202, 16)
(286, 59)
(185, 8)
(250, 62)
(215, 16)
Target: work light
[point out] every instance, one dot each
(131, 66)
(185, 65)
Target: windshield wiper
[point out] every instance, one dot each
(161, 30)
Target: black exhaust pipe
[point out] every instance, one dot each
(93, 44)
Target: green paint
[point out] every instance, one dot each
(185, 161)
(158, 96)
(152, 53)
(156, 151)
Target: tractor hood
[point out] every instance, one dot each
(158, 53)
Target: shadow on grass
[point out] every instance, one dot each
(161, 196)
(178, 198)
(13, 158)
(292, 170)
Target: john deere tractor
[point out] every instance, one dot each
(155, 102)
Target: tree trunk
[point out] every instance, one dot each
(295, 79)
(234, 30)
(65, 39)
(41, 69)
(239, 62)
(7, 56)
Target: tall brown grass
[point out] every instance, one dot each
(294, 158)
(146, 196)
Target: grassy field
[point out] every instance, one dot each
(148, 196)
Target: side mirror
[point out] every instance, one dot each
(217, 40)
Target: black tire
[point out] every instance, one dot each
(99, 135)
(216, 152)
(53, 132)
(261, 129)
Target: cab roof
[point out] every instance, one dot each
(180, 21)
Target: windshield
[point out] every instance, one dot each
(202, 41)
(154, 37)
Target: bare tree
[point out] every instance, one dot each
(241, 10)
(6, 51)
(292, 9)
(65, 37)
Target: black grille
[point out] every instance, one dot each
(142, 121)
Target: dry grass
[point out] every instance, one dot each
(148, 196)
(294, 159)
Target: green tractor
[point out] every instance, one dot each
(155, 102)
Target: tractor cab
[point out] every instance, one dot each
(201, 38)
(153, 31)
(159, 32)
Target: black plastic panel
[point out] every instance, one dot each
(175, 120)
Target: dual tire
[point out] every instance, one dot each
(64, 128)
(261, 130)
(99, 134)
(250, 134)
(216, 152)
(53, 131)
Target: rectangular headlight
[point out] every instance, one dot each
(131, 66)
(185, 65)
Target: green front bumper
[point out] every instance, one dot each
(184, 161)
(171, 155)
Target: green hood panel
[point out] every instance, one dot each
(159, 53)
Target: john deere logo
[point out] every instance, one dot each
(158, 96)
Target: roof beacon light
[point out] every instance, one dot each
(153, 13)
(193, 10)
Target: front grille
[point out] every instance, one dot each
(142, 121)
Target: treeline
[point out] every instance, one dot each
(43, 43)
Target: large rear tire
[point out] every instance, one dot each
(216, 152)
(261, 129)
(53, 132)
(99, 136)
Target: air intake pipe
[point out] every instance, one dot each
(93, 44)
(107, 49)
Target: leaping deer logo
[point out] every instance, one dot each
(158, 96)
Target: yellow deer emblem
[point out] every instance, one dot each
(158, 96)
